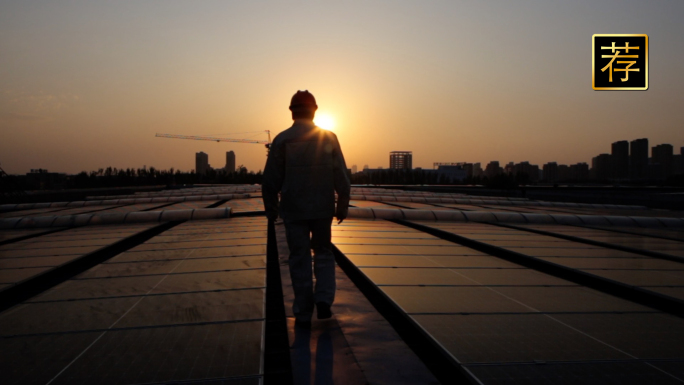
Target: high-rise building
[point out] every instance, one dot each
(564, 173)
(662, 155)
(230, 161)
(354, 169)
(600, 166)
(452, 173)
(532, 170)
(401, 160)
(468, 167)
(477, 170)
(678, 163)
(493, 169)
(201, 163)
(551, 172)
(638, 159)
(579, 172)
(620, 158)
(509, 168)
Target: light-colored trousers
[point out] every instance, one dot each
(302, 236)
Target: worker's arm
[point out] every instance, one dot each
(274, 174)
(342, 184)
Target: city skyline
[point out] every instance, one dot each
(629, 160)
(86, 85)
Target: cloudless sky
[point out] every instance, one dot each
(87, 84)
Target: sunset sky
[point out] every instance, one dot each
(87, 84)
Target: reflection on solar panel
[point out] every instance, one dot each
(420, 206)
(245, 205)
(370, 204)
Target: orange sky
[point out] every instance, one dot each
(87, 84)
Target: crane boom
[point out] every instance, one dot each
(213, 139)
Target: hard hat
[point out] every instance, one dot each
(303, 100)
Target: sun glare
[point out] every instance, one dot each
(325, 121)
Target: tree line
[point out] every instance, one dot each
(113, 177)
(121, 177)
(11, 185)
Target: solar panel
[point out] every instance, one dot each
(615, 263)
(196, 317)
(188, 304)
(586, 373)
(516, 338)
(466, 299)
(37, 359)
(189, 253)
(170, 354)
(644, 336)
(191, 308)
(568, 299)
(69, 316)
(26, 259)
(643, 277)
(383, 276)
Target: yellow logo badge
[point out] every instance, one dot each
(620, 62)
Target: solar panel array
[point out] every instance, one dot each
(663, 276)
(25, 259)
(188, 304)
(509, 324)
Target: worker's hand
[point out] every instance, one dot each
(341, 214)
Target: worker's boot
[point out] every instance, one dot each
(323, 310)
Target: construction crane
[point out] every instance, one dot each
(215, 139)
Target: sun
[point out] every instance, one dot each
(325, 121)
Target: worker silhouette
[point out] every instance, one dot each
(306, 166)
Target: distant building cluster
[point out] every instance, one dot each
(627, 162)
(202, 166)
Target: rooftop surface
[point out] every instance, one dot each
(192, 286)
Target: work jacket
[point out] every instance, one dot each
(306, 166)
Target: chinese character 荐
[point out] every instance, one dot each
(616, 55)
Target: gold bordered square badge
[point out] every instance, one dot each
(619, 62)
